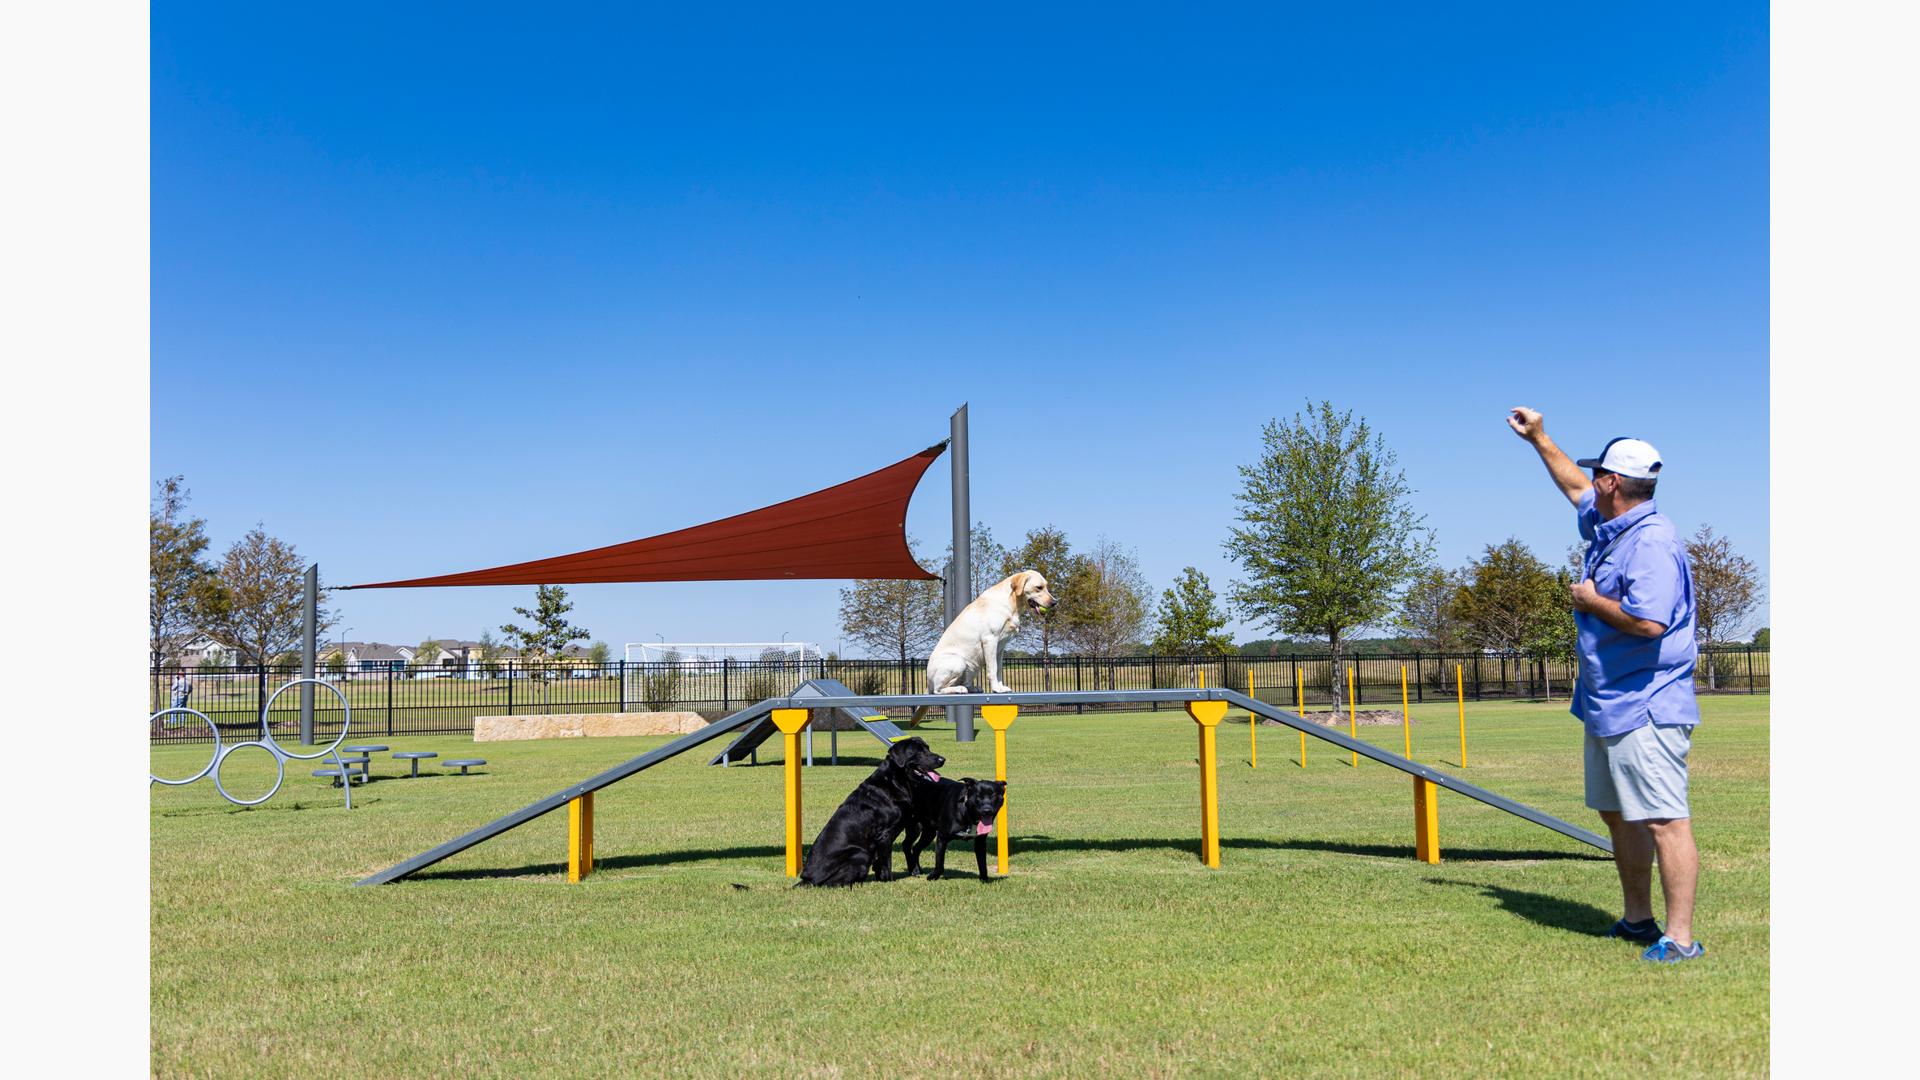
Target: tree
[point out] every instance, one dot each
(1511, 602)
(1110, 598)
(253, 602)
(1044, 550)
(336, 663)
(488, 653)
(1726, 588)
(1327, 537)
(175, 569)
(550, 634)
(1429, 613)
(598, 654)
(902, 619)
(426, 657)
(1190, 622)
(986, 561)
(1763, 638)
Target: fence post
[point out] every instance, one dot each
(510, 682)
(1419, 684)
(1749, 669)
(1153, 677)
(389, 703)
(1476, 677)
(623, 685)
(726, 684)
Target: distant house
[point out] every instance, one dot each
(455, 656)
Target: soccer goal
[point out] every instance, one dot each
(716, 673)
(712, 652)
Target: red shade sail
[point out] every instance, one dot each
(853, 530)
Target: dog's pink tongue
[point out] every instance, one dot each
(982, 829)
(933, 776)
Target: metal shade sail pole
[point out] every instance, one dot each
(310, 617)
(960, 585)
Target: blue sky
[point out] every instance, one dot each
(442, 288)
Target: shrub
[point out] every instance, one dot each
(866, 680)
(760, 685)
(661, 689)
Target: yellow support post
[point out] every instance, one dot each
(1300, 706)
(579, 838)
(1000, 718)
(1426, 820)
(1406, 719)
(1353, 724)
(1253, 729)
(1207, 714)
(1460, 688)
(790, 722)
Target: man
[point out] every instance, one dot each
(182, 689)
(1633, 609)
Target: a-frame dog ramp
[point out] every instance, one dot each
(873, 720)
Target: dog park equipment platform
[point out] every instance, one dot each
(578, 797)
(875, 721)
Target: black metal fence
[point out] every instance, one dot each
(395, 702)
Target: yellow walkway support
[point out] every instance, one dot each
(1426, 820)
(1461, 689)
(1353, 725)
(1000, 718)
(790, 722)
(1208, 715)
(1300, 707)
(1406, 718)
(1253, 731)
(579, 838)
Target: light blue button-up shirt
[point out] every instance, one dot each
(1626, 680)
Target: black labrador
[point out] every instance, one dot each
(858, 838)
(948, 810)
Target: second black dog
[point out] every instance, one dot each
(858, 838)
(948, 810)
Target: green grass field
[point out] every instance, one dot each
(1320, 946)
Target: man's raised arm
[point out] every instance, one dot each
(1527, 424)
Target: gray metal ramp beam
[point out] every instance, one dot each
(877, 723)
(561, 798)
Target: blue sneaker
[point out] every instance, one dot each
(1668, 951)
(1646, 932)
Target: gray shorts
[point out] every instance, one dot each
(1642, 774)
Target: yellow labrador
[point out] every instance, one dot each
(976, 639)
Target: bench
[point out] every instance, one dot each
(412, 758)
(462, 763)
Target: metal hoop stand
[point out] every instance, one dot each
(267, 742)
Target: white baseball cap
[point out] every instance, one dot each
(1627, 457)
